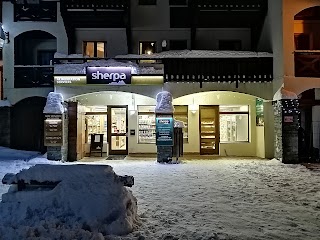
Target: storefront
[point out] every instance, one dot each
(121, 114)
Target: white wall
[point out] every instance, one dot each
(57, 29)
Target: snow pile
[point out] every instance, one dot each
(5, 103)
(164, 102)
(197, 54)
(178, 124)
(54, 103)
(284, 94)
(88, 202)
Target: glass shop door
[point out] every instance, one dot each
(117, 130)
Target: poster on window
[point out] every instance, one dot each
(164, 131)
(259, 112)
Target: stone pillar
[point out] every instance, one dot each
(56, 134)
(286, 126)
(164, 108)
(5, 123)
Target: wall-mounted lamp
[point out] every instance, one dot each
(193, 107)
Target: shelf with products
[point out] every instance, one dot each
(146, 127)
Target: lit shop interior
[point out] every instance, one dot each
(219, 122)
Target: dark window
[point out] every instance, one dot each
(177, 2)
(147, 2)
(147, 48)
(233, 45)
(178, 44)
(302, 41)
(45, 56)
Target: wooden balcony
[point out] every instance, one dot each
(231, 5)
(219, 69)
(43, 12)
(33, 76)
(307, 63)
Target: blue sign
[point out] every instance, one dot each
(164, 131)
(109, 75)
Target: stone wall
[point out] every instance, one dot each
(286, 121)
(5, 115)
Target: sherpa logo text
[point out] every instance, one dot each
(109, 76)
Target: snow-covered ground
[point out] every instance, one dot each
(215, 199)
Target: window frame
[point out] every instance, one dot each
(95, 48)
(247, 113)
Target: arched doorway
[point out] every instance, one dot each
(27, 124)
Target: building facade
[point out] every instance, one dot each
(228, 65)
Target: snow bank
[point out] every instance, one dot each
(5, 103)
(164, 102)
(54, 103)
(89, 201)
(197, 54)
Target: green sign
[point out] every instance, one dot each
(259, 112)
(164, 131)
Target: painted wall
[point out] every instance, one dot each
(208, 39)
(290, 9)
(57, 29)
(262, 90)
(116, 39)
(273, 26)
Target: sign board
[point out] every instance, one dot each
(70, 80)
(288, 119)
(259, 112)
(164, 131)
(109, 75)
(53, 130)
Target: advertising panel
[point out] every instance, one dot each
(164, 131)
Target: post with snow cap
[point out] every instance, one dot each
(55, 127)
(164, 126)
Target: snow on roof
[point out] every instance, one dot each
(87, 197)
(197, 54)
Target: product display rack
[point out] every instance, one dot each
(209, 130)
(147, 127)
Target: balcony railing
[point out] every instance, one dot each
(232, 5)
(219, 69)
(33, 76)
(96, 4)
(307, 63)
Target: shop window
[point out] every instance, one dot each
(232, 45)
(147, 48)
(146, 124)
(234, 123)
(181, 114)
(95, 49)
(96, 123)
(177, 2)
(147, 2)
(178, 44)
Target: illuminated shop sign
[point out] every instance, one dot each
(109, 75)
(70, 80)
